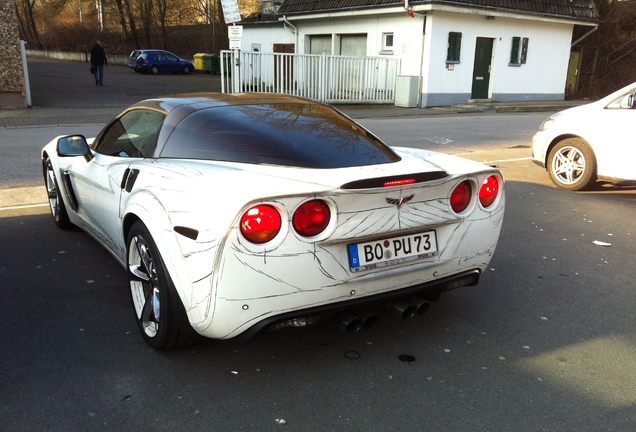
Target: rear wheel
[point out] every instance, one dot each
(154, 70)
(155, 308)
(56, 203)
(572, 165)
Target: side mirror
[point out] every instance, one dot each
(74, 145)
(628, 102)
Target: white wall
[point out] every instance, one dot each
(541, 78)
(266, 36)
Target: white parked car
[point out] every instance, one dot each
(236, 214)
(581, 145)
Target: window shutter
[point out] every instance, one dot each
(524, 51)
(454, 46)
(514, 52)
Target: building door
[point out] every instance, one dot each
(481, 69)
(350, 73)
(572, 80)
(354, 45)
(320, 44)
(283, 67)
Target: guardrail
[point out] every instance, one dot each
(333, 79)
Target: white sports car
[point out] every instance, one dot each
(236, 214)
(580, 145)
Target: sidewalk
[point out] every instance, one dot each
(71, 116)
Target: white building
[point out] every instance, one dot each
(450, 52)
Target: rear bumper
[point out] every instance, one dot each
(430, 291)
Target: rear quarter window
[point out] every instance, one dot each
(300, 135)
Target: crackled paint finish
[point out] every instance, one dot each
(227, 284)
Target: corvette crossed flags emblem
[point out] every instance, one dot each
(398, 202)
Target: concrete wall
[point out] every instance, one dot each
(11, 73)
(77, 56)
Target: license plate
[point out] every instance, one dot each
(380, 253)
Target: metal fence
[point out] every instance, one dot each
(333, 79)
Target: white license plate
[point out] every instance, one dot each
(380, 253)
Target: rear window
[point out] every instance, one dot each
(300, 135)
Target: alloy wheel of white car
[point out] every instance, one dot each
(56, 203)
(149, 289)
(572, 165)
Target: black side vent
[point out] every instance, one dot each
(401, 180)
(190, 233)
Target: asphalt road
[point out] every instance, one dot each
(546, 342)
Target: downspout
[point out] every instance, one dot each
(289, 26)
(420, 78)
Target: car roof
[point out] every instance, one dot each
(203, 100)
(258, 128)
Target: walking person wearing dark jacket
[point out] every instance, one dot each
(98, 61)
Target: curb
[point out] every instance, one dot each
(22, 196)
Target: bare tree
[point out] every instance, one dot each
(122, 18)
(29, 22)
(131, 22)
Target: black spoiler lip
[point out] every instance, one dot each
(382, 181)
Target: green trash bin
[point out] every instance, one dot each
(198, 62)
(212, 63)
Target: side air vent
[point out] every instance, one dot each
(391, 181)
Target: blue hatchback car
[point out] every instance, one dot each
(162, 61)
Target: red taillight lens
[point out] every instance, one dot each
(489, 191)
(460, 198)
(311, 218)
(260, 224)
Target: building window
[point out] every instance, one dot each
(519, 51)
(454, 47)
(387, 44)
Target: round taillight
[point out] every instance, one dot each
(260, 224)
(311, 218)
(489, 191)
(460, 198)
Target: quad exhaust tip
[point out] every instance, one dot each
(352, 321)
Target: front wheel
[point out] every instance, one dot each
(56, 203)
(186, 70)
(155, 308)
(572, 165)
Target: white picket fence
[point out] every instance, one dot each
(332, 79)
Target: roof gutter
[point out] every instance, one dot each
(289, 26)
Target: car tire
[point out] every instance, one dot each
(154, 70)
(56, 202)
(186, 70)
(572, 165)
(159, 312)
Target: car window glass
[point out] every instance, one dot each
(616, 103)
(302, 135)
(132, 135)
(171, 58)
